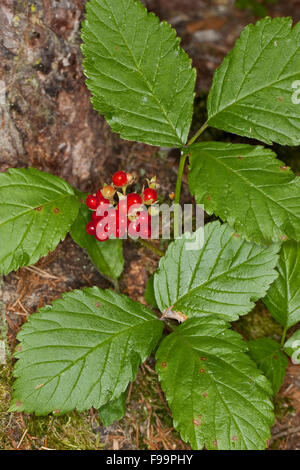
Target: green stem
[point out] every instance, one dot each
(283, 336)
(178, 192)
(151, 247)
(198, 133)
(169, 325)
(115, 283)
(179, 179)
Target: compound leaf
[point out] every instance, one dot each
(283, 297)
(139, 77)
(217, 395)
(36, 211)
(248, 187)
(107, 256)
(224, 277)
(82, 351)
(269, 358)
(255, 92)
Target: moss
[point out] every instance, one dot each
(149, 415)
(258, 323)
(5, 395)
(68, 432)
(146, 411)
(146, 392)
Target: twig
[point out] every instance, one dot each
(41, 273)
(22, 438)
(286, 432)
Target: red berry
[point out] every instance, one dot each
(122, 223)
(101, 230)
(127, 202)
(141, 226)
(95, 217)
(144, 224)
(91, 228)
(144, 218)
(122, 206)
(120, 179)
(103, 207)
(101, 198)
(134, 229)
(102, 211)
(92, 202)
(132, 199)
(149, 196)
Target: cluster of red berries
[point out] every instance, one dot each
(117, 214)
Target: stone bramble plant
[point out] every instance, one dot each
(85, 349)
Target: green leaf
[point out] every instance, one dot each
(248, 187)
(255, 91)
(113, 410)
(150, 294)
(283, 297)
(107, 256)
(223, 278)
(139, 77)
(82, 351)
(269, 358)
(36, 212)
(292, 347)
(217, 396)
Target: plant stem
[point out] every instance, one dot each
(169, 326)
(283, 336)
(198, 133)
(178, 192)
(151, 247)
(115, 283)
(179, 179)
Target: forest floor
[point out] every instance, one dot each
(48, 123)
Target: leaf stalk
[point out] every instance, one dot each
(198, 133)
